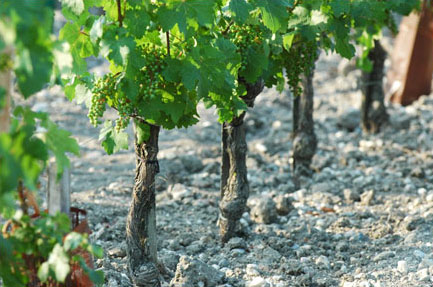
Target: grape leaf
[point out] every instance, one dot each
(186, 14)
(275, 14)
(241, 10)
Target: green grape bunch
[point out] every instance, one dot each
(151, 74)
(300, 61)
(105, 92)
(103, 88)
(245, 37)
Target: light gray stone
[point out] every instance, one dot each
(190, 272)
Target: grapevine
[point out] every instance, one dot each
(299, 61)
(245, 37)
(102, 88)
(151, 73)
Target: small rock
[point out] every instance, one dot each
(112, 283)
(223, 263)
(169, 259)
(117, 251)
(411, 223)
(429, 197)
(402, 267)
(419, 254)
(201, 180)
(367, 197)
(342, 246)
(237, 252)
(293, 267)
(252, 270)
(351, 195)
(257, 282)
(417, 172)
(425, 263)
(349, 120)
(264, 210)
(423, 275)
(323, 262)
(191, 163)
(190, 272)
(383, 255)
(236, 242)
(179, 191)
(283, 204)
(321, 187)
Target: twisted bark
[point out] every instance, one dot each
(234, 182)
(373, 110)
(305, 141)
(141, 221)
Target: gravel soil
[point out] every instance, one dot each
(364, 218)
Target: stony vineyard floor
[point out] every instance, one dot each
(365, 218)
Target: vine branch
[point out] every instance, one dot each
(228, 28)
(119, 13)
(167, 35)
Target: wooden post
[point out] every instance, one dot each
(59, 190)
(5, 83)
(412, 59)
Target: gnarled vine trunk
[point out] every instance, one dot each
(373, 110)
(305, 141)
(234, 182)
(141, 221)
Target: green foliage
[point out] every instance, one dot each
(166, 56)
(37, 245)
(34, 246)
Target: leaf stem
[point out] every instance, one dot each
(167, 35)
(119, 13)
(228, 28)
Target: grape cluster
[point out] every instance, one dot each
(244, 37)
(151, 76)
(300, 61)
(103, 88)
(125, 110)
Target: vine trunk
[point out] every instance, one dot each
(373, 110)
(234, 182)
(305, 141)
(141, 221)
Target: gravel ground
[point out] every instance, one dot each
(365, 217)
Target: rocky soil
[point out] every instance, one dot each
(365, 217)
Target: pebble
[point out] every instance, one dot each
(323, 262)
(423, 274)
(189, 272)
(349, 120)
(257, 282)
(367, 197)
(252, 270)
(117, 251)
(425, 263)
(429, 196)
(419, 254)
(179, 191)
(402, 267)
(383, 255)
(264, 210)
(223, 263)
(351, 195)
(236, 242)
(283, 204)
